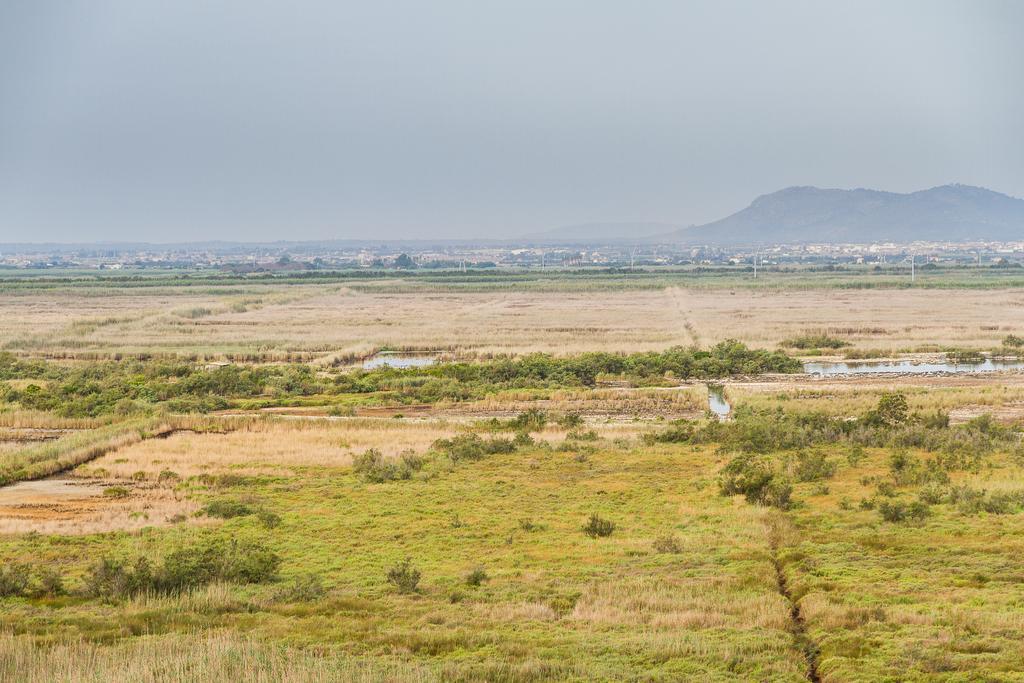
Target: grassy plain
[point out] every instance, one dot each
(594, 545)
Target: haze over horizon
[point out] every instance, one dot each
(151, 122)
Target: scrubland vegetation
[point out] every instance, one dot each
(568, 516)
(127, 388)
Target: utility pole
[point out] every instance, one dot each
(756, 254)
(913, 271)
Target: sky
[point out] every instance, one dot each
(139, 120)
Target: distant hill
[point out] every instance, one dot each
(590, 232)
(810, 214)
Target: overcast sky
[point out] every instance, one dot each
(190, 119)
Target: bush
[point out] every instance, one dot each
(895, 511)
(532, 420)
(476, 577)
(757, 481)
(115, 492)
(182, 569)
(51, 583)
(404, 576)
(14, 578)
(577, 435)
(597, 527)
(903, 467)
(529, 526)
(227, 508)
(815, 341)
(523, 440)
(232, 561)
(111, 579)
(472, 447)
(373, 468)
(891, 410)
(1013, 341)
(813, 467)
(168, 476)
(307, 588)
(971, 501)
(268, 518)
(667, 544)
(571, 420)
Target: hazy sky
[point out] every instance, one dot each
(175, 120)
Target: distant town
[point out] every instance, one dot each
(300, 256)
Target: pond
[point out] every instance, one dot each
(717, 403)
(398, 360)
(829, 369)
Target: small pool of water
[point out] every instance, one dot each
(908, 366)
(717, 403)
(398, 360)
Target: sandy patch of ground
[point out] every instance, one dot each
(75, 505)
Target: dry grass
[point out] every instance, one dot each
(42, 460)
(596, 404)
(43, 507)
(271, 447)
(34, 419)
(211, 657)
(962, 397)
(329, 322)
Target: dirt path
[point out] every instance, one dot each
(676, 295)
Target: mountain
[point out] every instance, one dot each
(591, 232)
(955, 213)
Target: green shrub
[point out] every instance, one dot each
(532, 420)
(476, 577)
(472, 447)
(227, 508)
(813, 466)
(896, 511)
(903, 467)
(306, 588)
(373, 468)
(891, 410)
(14, 579)
(168, 476)
(182, 569)
(523, 440)
(51, 583)
(115, 492)
(577, 435)
(757, 481)
(404, 576)
(269, 519)
(815, 341)
(571, 420)
(232, 561)
(597, 527)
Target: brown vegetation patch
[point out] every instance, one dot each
(73, 505)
